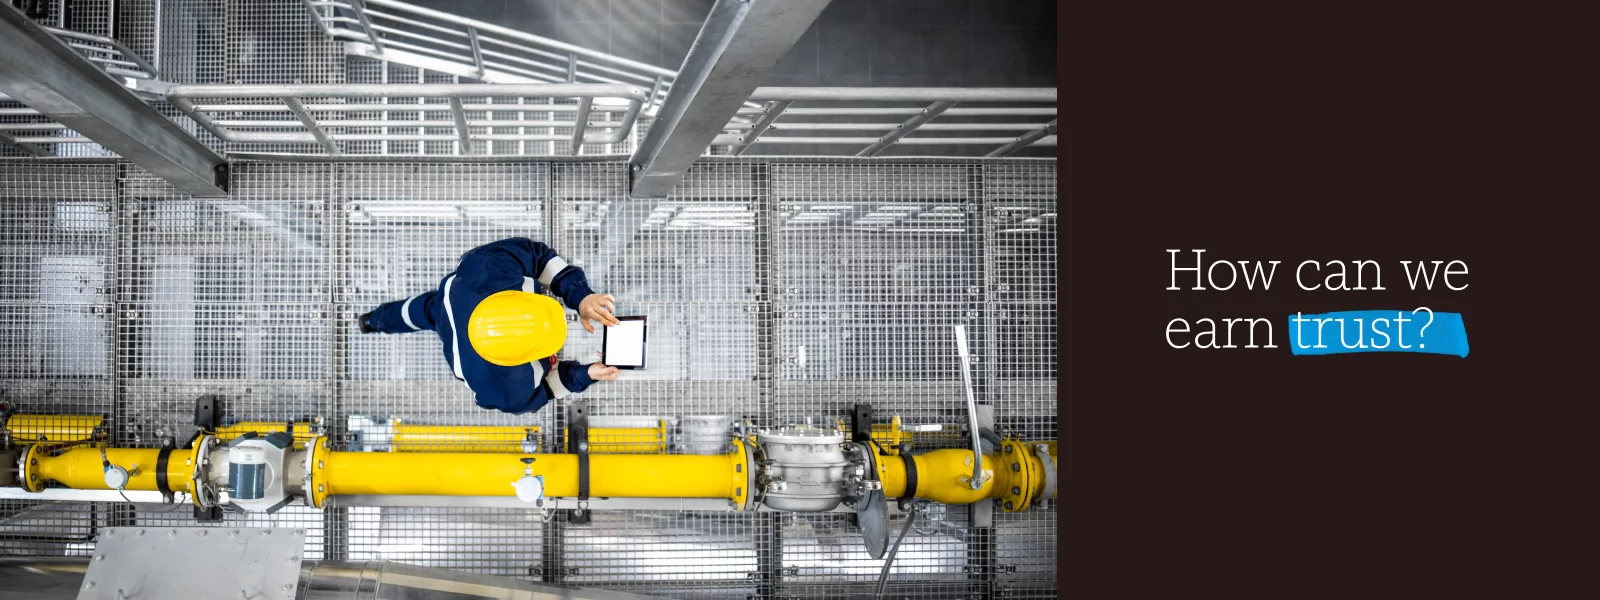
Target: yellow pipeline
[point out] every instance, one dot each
(52, 428)
(303, 432)
(461, 438)
(1015, 474)
(944, 475)
(628, 440)
(80, 468)
(464, 474)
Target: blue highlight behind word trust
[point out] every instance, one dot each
(1377, 331)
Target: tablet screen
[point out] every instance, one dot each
(624, 343)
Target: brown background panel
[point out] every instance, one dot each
(1271, 131)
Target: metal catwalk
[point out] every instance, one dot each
(122, 297)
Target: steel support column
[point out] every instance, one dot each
(737, 47)
(981, 551)
(40, 71)
(119, 514)
(769, 542)
(552, 567)
(336, 519)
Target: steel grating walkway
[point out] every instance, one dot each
(122, 297)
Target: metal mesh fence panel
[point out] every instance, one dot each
(877, 264)
(58, 240)
(404, 228)
(504, 542)
(776, 291)
(685, 263)
(1019, 208)
(192, 48)
(35, 528)
(57, 274)
(1020, 233)
(225, 296)
(679, 554)
(276, 41)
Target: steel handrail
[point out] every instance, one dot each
(149, 71)
(936, 103)
(316, 131)
(473, 53)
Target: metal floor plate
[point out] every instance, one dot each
(148, 562)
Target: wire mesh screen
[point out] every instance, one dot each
(1020, 234)
(224, 296)
(275, 41)
(656, 552)
(192, 41)
(877, 266)
(776, 292)
(404, 227)
(35, 528)
(57, 272)
(686, 264)
(489, 541)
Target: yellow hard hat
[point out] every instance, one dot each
(513, 328)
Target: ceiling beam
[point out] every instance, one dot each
(736, 49)
(38, 70)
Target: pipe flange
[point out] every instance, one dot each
(316, 488)
(744, 478)
(201, 492)
(1048, 465)
(1014, 460)
(757, 466)
(28, 469)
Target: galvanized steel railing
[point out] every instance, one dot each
(107, 53)
(438, 41)
(332, 113)
(1012, 118)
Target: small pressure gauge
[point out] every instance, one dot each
(530, 488)
(116, 477)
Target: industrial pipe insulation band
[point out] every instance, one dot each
(1016, 475)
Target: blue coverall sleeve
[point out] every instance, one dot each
(566, 379)
(574, 376)
(523, 257)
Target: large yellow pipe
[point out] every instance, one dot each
(940, 475)
(472, 474)
(80, 468)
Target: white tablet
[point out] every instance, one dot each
(624, 343)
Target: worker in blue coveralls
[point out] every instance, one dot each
(500, 333)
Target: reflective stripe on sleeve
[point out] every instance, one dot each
(455, 333)
(551, 269)
(405, 313)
